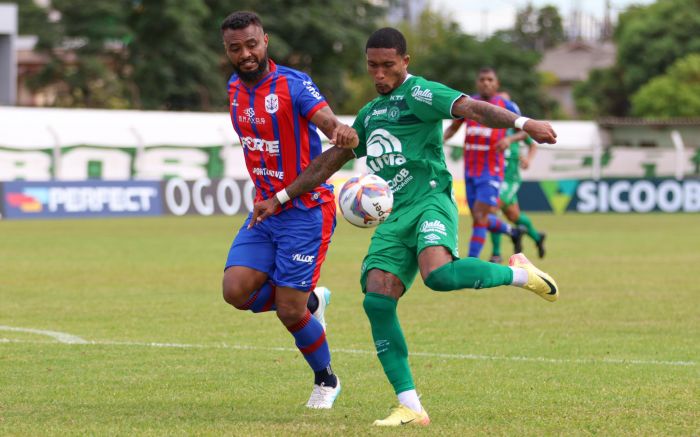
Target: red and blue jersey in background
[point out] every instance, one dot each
(480, 155)
(272, 120)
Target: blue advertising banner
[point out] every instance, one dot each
(611, 195)
(23, 200)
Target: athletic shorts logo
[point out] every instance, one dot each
(271, 103)
(308, 259)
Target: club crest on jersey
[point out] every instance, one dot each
(272, 103)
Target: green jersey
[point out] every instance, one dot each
(401, 136)
(512, 155)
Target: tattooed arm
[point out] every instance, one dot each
(497, 117)
(317, 172)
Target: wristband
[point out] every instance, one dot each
(282, 196)
(520, 122)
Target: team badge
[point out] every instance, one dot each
(394, 114)
(272, 103)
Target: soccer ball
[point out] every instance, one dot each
(366, 200)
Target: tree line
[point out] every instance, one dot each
(168, 54)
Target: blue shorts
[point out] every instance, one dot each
(485, 189)
(290, 246)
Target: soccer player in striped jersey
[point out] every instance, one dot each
(483, 166)
(508, 196)
(400, 133)
(275, 265)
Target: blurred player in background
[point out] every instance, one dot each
(483, 166)
(401, 135)
(508, 196)
(275, 266)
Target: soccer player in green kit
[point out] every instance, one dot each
(400, 133)
(508, 196)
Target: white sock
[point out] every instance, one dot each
(519, 276)
(410, 399)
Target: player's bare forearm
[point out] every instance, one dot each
(452, 129)
(319, 170)
(483, 113)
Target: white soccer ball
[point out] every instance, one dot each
(366, 200)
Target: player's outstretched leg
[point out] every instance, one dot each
(475, 273)
(319, 299)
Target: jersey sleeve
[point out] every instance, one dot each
(307, 97)
(432, 101)
(513, 107)
(359, 126)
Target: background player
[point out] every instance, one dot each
(483, 166)
(508, 196)
(401, 134)
(275, 111)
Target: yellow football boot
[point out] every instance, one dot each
(402, 415)
(538, 281)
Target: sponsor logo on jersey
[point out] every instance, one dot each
(383, 149)
(312, 90)
(268, 172)
(435, 226)
(422, 95)
(272, 103)
(249, 117)
(399, 181)
(298, 257)
(379, 112)
(260, 145)
(479, 131)
(396, 97)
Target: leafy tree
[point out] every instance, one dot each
(674, 94)
(602, 94)
(652, 38)
(440, 51)
(536, 29)
(649, 39)
(173, 68)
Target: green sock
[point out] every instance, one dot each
(531, 231)
(392, 350)
(496, 243)
(469, 273)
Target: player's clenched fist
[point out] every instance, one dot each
(345, 137)
(540, 131)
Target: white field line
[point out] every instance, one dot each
(62, 337)
(369, 352)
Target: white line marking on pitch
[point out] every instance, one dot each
(367, 352)
(62, 337)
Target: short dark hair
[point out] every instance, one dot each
(484, 70)
(387, 38)
(241, 20)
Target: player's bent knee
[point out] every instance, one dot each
(290, 313)
(233, 293)
(441, 279)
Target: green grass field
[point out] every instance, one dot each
(618, 354)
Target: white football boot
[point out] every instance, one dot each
(324, 299)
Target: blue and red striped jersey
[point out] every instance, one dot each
(480, 154)
(273, 122)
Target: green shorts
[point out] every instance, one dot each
(397, 242)
(509, 192)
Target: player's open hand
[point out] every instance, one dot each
(345, 137)
(263, 210)
(540, 131)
